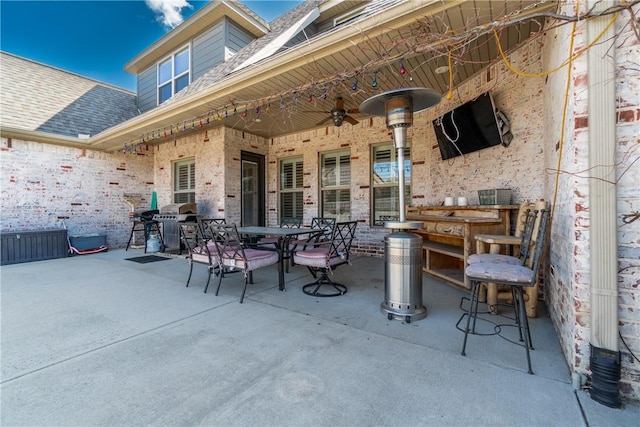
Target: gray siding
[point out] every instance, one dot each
(208, 50)
(147, 98)
(237, 38)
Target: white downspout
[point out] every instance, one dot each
(602, 193)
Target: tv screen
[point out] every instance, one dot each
(468, 128)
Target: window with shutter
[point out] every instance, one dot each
(335, 183)
(384, 182)
(184, 183)
(291, 180)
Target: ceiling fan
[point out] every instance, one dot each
(338, 114)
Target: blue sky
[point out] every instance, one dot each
(97, 38)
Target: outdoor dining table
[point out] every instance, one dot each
(284, 234)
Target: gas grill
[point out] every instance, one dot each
(142, 221)
(171, 216)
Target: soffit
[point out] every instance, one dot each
(203, 19)
(420, 39)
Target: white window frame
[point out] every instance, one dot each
(390, 182)
(189, 187)
(172, 80)
(296, 188)
(336, 180)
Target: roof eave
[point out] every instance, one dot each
(47, 138)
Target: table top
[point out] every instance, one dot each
(275, 231)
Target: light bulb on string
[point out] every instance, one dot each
(244, 113)
(402, 69)
(324, 95)
(226, 113)
(310, 98)
(374, 82)
(200, 125)
(355, 84)
(235, 110)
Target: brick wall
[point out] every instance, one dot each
(44, 184)
(519, 166)
(568, 284)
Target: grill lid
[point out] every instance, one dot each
(179, 208)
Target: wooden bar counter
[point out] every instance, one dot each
(448, 235)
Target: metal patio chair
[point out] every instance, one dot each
(201, 249)
(321, 257)
(234, 256)
(516, 277)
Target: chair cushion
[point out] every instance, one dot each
(199, 254)
(493, 258)
(313, 257)
(500, 273)
(255, 258)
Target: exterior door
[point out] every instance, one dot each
(252, 209)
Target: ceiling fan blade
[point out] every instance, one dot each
(353, 111)
(316, 111)
(339, 103)
(320, 123)
(351, 120)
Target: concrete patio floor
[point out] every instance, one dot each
(101, 340)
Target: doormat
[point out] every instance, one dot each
(147, 259)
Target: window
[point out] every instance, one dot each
(384, 179)
(184, 182)
(335, 181)
(291, 188)
(173, 75)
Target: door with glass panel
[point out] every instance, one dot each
(335, 183)
(252, 209)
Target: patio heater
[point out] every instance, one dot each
(402, 249)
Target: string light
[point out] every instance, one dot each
(424, 36)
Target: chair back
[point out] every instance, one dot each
(522, 214)
(290, 222)
(326, 224)
(527, 235)
(196, 242)
(228, 243)
(207, 223)
(341, 240)
(540, 239)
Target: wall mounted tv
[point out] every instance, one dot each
(468, 128)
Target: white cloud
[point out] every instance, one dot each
(169, 11)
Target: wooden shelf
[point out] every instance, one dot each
(448, 236)
(443, 248)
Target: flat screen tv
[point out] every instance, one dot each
(468, 128)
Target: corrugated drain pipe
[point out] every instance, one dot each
(605, 356)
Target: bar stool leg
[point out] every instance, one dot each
(473, 311)
(523, 322)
